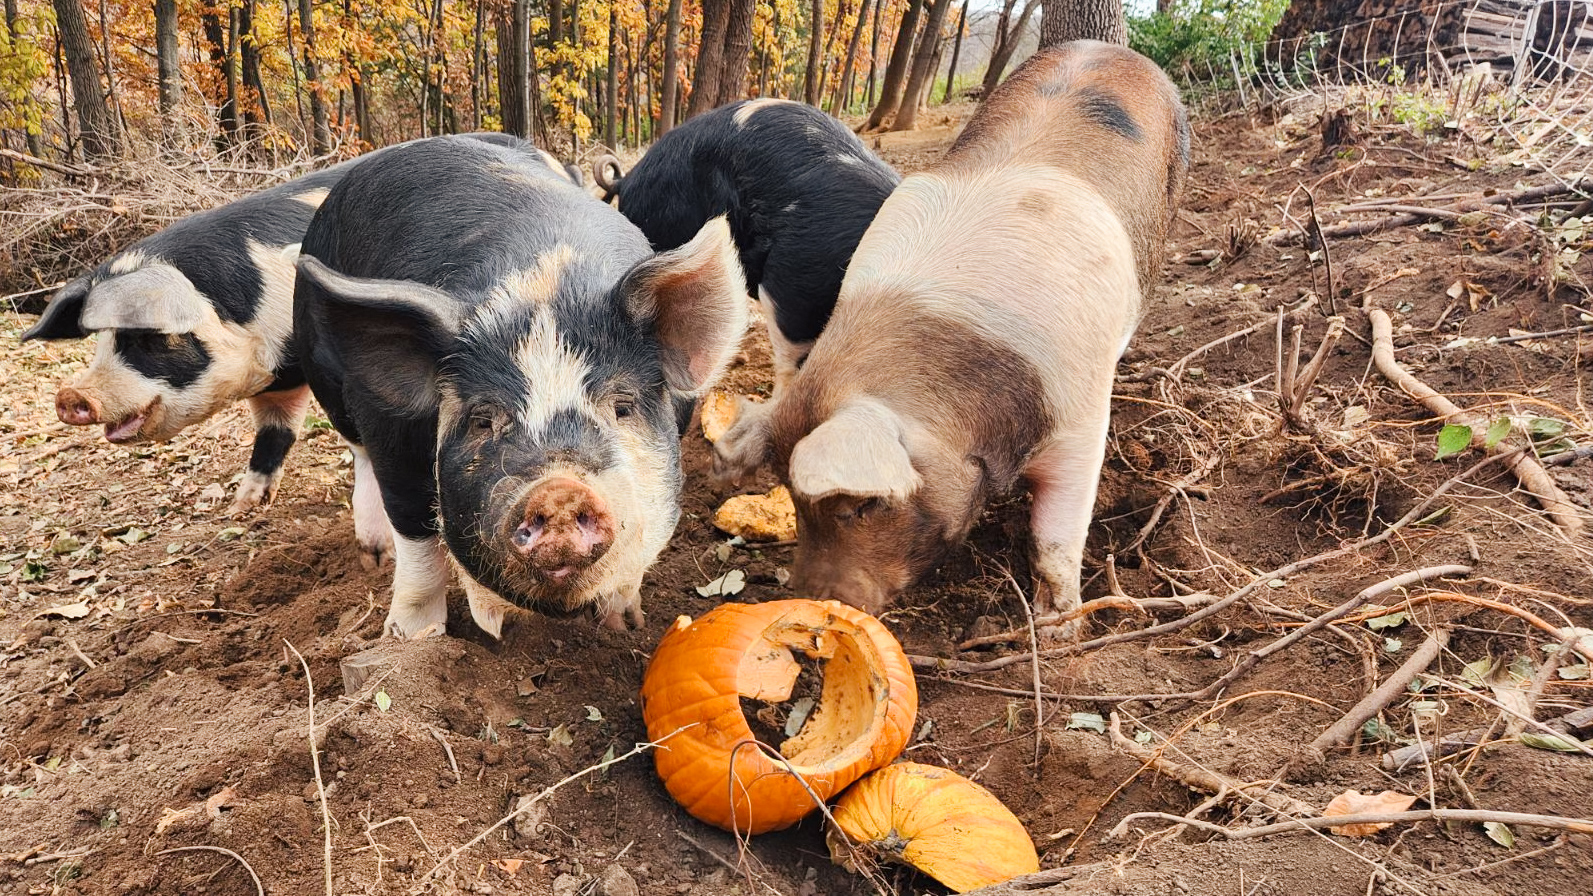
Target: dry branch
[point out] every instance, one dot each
(1415, 214)
(259, 887)
(1526, 468)
(1341, 731)
(1300, 825)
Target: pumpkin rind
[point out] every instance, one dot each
(937, 821)
(691, 702)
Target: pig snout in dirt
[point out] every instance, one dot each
(977, 331)
(506, 354)
(76, 409)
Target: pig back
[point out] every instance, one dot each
(1104, 113)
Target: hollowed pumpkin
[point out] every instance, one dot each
(934, 820)
(709, 759)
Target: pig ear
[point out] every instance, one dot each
(390, 333)
(858, 452)
(695, 299)
(60, 317)
(155, 297)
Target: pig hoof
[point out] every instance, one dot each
(1058, 635)
(415, 624)
(256, 490)
(487, 609)
(430, 630)
(614, 613)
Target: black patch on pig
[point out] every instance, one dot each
(796, 209)
(271, 444)
(178, 359)
(1103, 109)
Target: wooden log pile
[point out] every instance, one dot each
(1387, 40)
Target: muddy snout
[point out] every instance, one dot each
(75, 408)
(564, 528)
(819, 579)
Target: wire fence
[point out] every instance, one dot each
(1517, 74)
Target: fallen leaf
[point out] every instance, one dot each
(1500, 833)
(510, 867)
(561, 735)
(225, 798)
(383, 701)
(727, 585)
(593, 714)
(67, 611)
(800, 709)
(1087, 721)
(1556, 742)
(1353, 802)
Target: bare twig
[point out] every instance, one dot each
(315, 763)
(1341, 731)
(1523, 337)
(1534, 479)
(1298, 825)
(259, 887)
(1322, 243)
(539, 797)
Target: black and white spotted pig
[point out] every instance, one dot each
(501, 349)
(198, 316)
(799, 189)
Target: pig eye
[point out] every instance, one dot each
(869, 507)
(483, 421)
(624, 406)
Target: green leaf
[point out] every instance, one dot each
(1500, 833)
(1477, 672)
(1375, 730)
(1142, 737)
(1392, 620)
(1546, 428)
(1497, 430)
(1087, 721)
(1393, 645)
(1557, 743)
(1452, 439)
(383, 702)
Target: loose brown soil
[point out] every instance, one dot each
(165, 706)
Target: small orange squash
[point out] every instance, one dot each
(934, 820)
(691, 701)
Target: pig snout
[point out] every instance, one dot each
(76, 409)
(565, 528)
(828, 581)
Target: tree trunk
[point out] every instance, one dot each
(923, 67)
(259, 111)
(810, 81)
(710, 56)
(100, 138)
(478, 67)
(873, 50)
(112, 96)
(843, 93)
(890, 93)
(221, 58)
(514, 93)
(1007, 43)
(321, 136)
(611, 100)
(829, 48)
(1065, 20)
(671, 73)
(738, 49)
(168, 65)
(956, 51)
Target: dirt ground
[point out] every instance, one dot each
(153, 699)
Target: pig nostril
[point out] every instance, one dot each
(526, 534)
(539, 521)
(584, 520)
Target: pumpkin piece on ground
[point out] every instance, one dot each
(770, 517)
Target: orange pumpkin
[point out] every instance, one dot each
(934, 820)
(709, 760)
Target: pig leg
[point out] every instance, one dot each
(420, 588)
(373, 533)
(614, 610)
(1063, 478)
(277, 418)
(788, 355)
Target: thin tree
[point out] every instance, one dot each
(514, 93)
(890, 93)
(671, 73)
(843, 93)
(14, 28)
(611, 98)
(810, 82)
(738, 50)
(710, 57)
(168, 65)
(873, 51)
(100, 137)
(956, 51)
(923, 67)
(220, 50)
(1065, 20)
(1006, 43)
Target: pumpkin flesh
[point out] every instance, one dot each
(709, 759)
